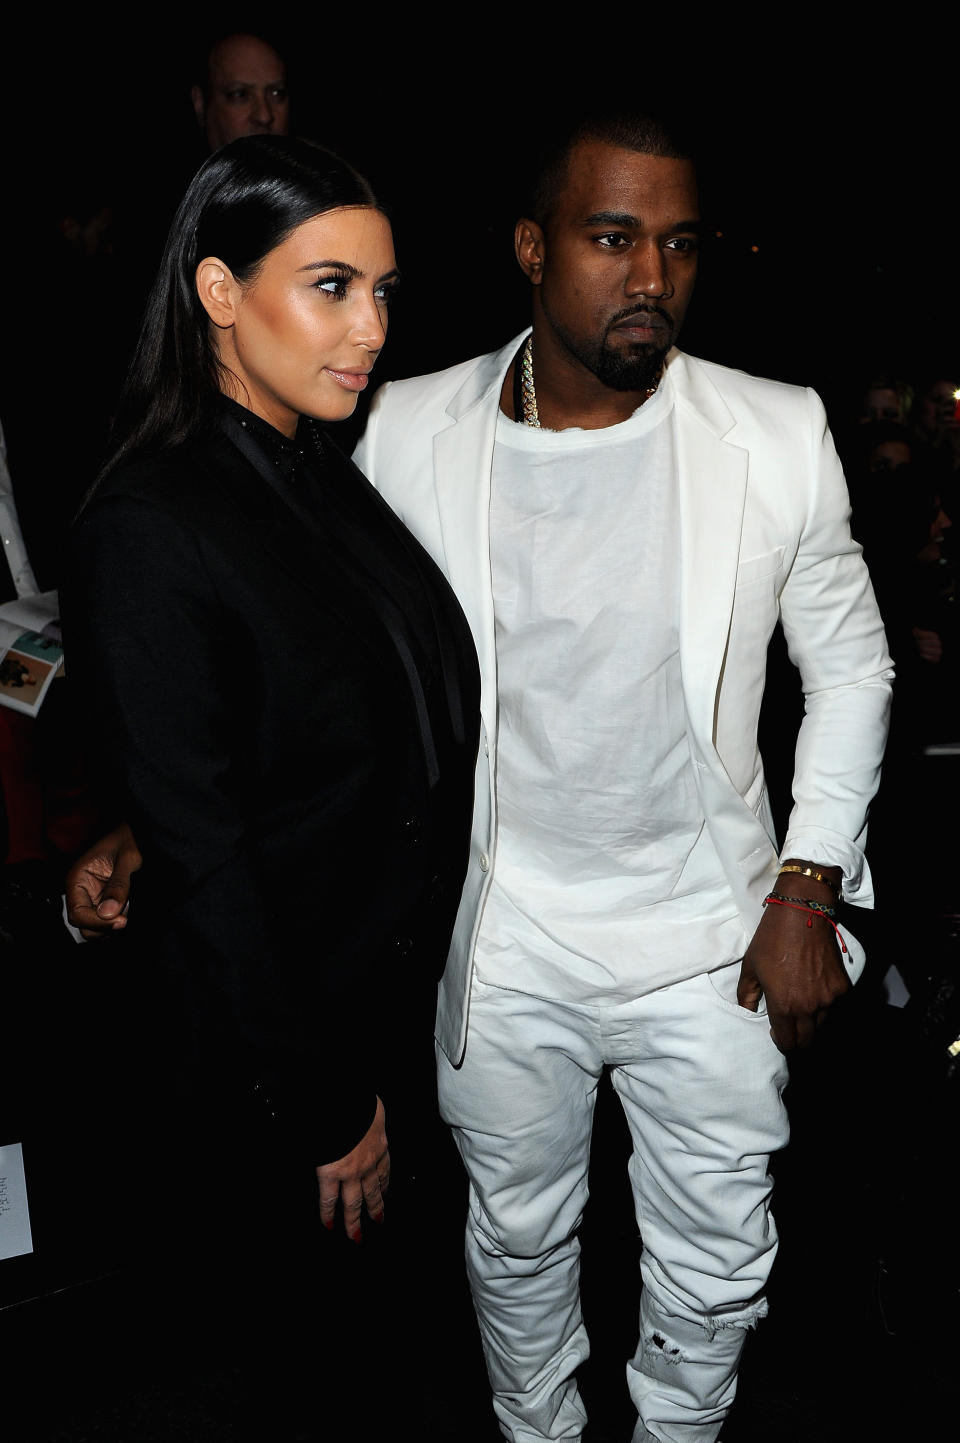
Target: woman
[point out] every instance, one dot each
(277, 676)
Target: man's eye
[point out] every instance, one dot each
(279, 92)
(612, 240)
(682, 244)
(236, 97)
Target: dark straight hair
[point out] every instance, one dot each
(242, 203)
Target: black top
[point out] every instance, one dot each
(285, 692)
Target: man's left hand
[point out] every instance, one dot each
(797, 968)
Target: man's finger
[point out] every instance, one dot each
(806, 1029)
(114, 902)
(94, 934)
(82, 913)
(749, 990)
(784, 1033)
(115, 893)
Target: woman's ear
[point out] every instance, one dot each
(218, 291)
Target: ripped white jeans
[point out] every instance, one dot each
(700, 1081)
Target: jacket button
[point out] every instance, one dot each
(484, 861)
(413, 829)
(404, 946)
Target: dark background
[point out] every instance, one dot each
(828, 166)
(829, 170)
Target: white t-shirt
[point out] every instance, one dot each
(606, 883)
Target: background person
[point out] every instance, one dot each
(243, 90)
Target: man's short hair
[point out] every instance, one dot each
(628, 129)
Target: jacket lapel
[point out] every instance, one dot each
(712, 480)
(303, 549)
(463, 467)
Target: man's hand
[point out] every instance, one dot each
(98, 884)
(797, 968)
(361, 1178)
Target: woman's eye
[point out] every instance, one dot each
(335, 286)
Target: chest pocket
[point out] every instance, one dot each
(759, 568)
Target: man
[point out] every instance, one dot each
(244, 91)
(623, 525)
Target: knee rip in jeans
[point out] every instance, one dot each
(669, 1351)
(744, 1319)
(672, 1352)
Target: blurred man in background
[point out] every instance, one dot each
(243, 92)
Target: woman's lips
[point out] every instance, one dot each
(350, 380)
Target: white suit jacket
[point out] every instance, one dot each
(764, 532)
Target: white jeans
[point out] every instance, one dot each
(700, 1081)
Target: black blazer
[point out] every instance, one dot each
(287, 704)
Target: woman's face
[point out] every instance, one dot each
(302, 337)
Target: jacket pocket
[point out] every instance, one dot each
(758, 568)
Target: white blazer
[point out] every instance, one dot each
(764, 532)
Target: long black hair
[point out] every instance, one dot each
(242, 203)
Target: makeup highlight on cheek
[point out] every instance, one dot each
(314, 318)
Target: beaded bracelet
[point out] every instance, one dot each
(817, 877)
(811, 912)
(808, 902)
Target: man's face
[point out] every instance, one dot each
(247, 92)
(936, 405)
(889, 456)
(620, 260)
(881, 403)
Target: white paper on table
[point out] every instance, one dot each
(40, 613)
(15, 1236)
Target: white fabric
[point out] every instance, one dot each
(700, 1081)
(606, 882)
(763, 519)
(11, 537)
(764, 532)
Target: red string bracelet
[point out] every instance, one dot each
(799, 907)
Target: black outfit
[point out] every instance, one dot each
(284, 691)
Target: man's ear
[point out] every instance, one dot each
(218, 291)
(528, 242)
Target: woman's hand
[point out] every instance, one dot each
(361, 1178)
(98, 884)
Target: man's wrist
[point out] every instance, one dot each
(799, 876)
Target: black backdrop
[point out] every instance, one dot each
(827, 168)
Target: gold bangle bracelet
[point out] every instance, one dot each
(817, 877)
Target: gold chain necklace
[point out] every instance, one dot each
(530, 413)
(528, 392)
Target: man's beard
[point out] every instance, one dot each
(629, 368)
